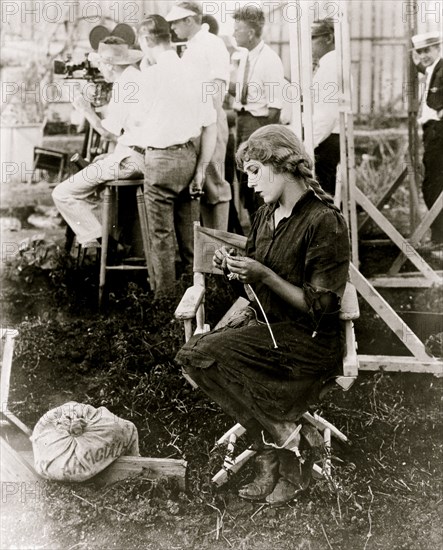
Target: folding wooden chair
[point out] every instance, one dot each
(191, 310)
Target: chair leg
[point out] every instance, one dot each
(107, 203)
(233, 464)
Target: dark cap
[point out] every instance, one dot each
(322, 27)
(157, 25)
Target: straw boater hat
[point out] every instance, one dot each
(183, 10)
(115, 54)
(425, 39)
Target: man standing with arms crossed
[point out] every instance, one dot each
(207, 58)
(259, 90)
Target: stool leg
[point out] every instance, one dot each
(107, 202)
(143, 215)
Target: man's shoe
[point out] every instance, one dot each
(267, 465)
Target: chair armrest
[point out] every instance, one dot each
(349, 304)
(190, 302)
(350, 358)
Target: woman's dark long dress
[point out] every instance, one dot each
(237, 366)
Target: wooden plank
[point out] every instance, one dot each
(151, 468)
(402, 282)
(8, 350)
(418, 234)
(389, 316)
(13, 466)
(385, 197)
(12, 419)
(130, 466)
(395, 236)
(391, 363)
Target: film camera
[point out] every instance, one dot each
(84, 70)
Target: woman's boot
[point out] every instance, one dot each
(295, 477)
(267, 468)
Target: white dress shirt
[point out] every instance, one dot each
(325, 91)
(172, 109)
(207, 53)
(426, 112)
(266, 81)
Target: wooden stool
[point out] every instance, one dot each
(110, 201)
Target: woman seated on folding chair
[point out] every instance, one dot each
(296, 262)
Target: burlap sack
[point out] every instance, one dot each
(74, 442)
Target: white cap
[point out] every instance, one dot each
(177, 13)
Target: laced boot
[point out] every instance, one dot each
(295, 477)
(267, 466)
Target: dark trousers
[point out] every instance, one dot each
(246, 126)
(327, 157)
(433, 178)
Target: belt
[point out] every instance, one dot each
(171, 147)
(244, 112)
(137, 149)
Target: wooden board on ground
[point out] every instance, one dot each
(150, 468)
(14, 466)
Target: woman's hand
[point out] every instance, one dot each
(247, 269)
(220, 257)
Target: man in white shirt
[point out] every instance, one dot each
(77, 198)
(207, 58)
(172, 115)
(326, 97)
(259, 89)
(428, 48)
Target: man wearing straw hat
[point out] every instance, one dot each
(76, 198)
(427, 47)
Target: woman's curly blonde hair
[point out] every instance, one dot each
(278, 146)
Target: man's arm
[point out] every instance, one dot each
(207, 148)
(91, 116)
(274, 115)
(326, 102)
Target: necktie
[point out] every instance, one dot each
(244, 91)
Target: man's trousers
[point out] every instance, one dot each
(78, 198)
(433, 177)
(171, 211)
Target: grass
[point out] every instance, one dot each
(385, 488)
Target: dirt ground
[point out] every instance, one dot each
(385, 490)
